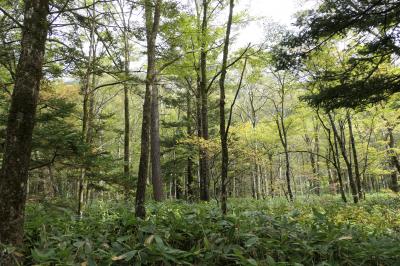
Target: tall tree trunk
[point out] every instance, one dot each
(152, 24)
(158, 191)
(289, 187)
(311, 153)
(342, 147)
(222, 130)
(394, 162)
(355, 157)
(204, 167)
(339, 170)
(189, 168)
(331, 180)
(88, 108)
(317, 170)
(283, 137)
(199, 134)
(20, 124)
(271, 175)
(333, 147)
(126, 109)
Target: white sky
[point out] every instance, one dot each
(277, 11)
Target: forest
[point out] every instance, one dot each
(193, 132)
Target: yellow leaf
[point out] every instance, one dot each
(120, 257)
(345, 238)
(18, 254)
(149, 240)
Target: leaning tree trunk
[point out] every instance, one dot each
(283, 137)
(18, 143)
(339, 169)
(342, 147)
(355, 158)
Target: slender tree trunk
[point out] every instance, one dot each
(394, 162)
(342, 147)
(158, 191)
(253, 185)
(259, 182)
(87, 109)
(355, 157)
(20, 124)
(199, 135)
(204, 167)
(331, 181)
(189, 168)
(339, 170)
(283, 137)
(126, 110)
(333, 147)
(317, 167)
(289, 187)
(271, 176)
(222, 127)
(313, 181)
(152, 24)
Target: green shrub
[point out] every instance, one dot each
(313, 231)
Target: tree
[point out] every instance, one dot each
(88, 90)
(222, 130)
(393, 159)
(152, 24)
(21, 120)
(352, 19)
(203, 98)
(283, 81)
(340, 138)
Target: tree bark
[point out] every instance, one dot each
(394, 162)
(339, 170)
(158, 191)
(342, 147)
(87, 108)
(189, 168)
(355, 157)
(317, 167)
(20, 124)
(204, 167)
(126, 109)
(271, 176)
(222, 130)
(333, 147)
(152, 24)
(283, 137)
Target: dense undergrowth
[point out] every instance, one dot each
(313, 231)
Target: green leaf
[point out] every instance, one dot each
(42, 255)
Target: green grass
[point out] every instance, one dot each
(313, 231)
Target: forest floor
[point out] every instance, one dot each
(311, 231)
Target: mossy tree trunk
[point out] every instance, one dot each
(21, 120)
